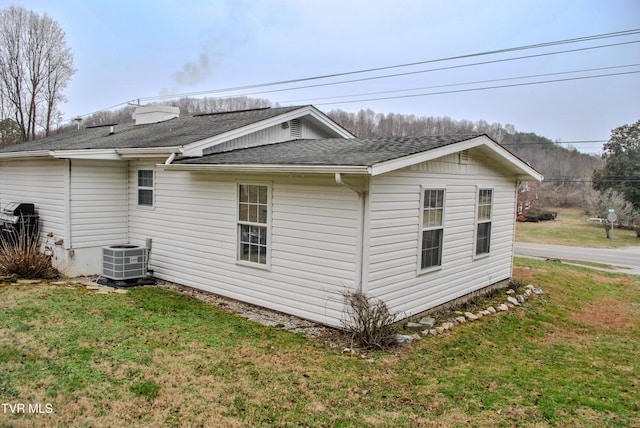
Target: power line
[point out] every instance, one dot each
(477, 89)
(450, 84)
(369, 70)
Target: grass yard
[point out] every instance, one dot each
(571, 228)
(153, 357)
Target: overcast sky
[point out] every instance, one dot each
(125, 50)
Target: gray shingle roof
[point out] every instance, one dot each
(334, 151)
(174, 132)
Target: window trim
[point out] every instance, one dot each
(152, 188)
(239, 223)
(422, 228)
(477, 222)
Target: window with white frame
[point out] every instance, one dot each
(145, 187)
(483, 228)
(253, 212)
(432, 228)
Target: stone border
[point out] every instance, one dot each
(428, 324)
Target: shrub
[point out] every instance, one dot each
(20, 255)
(369, 321)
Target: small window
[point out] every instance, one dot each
(483, 230)
(253, 216)
(432, 228)
(145, 187)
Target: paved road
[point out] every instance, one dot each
(628, 257)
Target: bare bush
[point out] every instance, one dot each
(20, 255)
(369, 321)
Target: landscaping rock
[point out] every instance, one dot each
(433, 332)
(537, 291)
(428, 322)
(513, 301)
(414, 326)
(510, 291)
(529, 287)
(503, 308)
(440, 330)
(491, 310)
(521, 299)
(416, 336)
(470, 316)
(461, 319)
(403, 339)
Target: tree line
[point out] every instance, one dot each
(35, 66)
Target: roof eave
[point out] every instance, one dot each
(25, 155)
(271, 168)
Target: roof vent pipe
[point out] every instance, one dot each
(111, 131)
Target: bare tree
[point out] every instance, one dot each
(35, 66)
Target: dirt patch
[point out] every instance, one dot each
(526, 274)
(618, 279)
(609, 314)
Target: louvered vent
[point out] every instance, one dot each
(464, 157)
(296, 129)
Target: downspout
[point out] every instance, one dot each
(170, 159)
(515, 221)
(68, 240)
(360, 272)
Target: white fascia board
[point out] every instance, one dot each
(196, 148)
(99, 154)
(523, 170)
(329, 123)
(25, 155)
(114, 154)
(270, 168)
(150, 152)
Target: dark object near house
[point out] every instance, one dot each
(535, 216)
(18, 218)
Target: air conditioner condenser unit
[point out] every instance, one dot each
(124, 262)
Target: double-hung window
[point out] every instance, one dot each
(145, 187)
(253, 223)
(432, 228)
(483, 223)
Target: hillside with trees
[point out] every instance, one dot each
(567, 171)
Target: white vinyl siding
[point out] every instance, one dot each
(41, 182)
(395, 227)
(98, 203)
(314, 231)
(274, 134)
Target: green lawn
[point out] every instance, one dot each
(571, 228)
(153, 357)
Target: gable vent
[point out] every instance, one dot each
(296, 129)
(464, 157)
